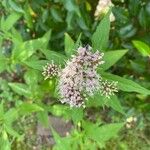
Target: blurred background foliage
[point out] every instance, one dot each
(23, 23)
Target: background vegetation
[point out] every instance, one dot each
(33, 33)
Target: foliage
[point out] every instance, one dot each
(33, 33)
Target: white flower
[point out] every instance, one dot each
(102, 9)
(131, 122)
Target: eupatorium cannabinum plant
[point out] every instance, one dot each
(79, 79)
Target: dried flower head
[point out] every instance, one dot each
(50, 70)
(102, 8)
(108, 88)
(79, 77)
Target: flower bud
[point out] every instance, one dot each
(50, 70)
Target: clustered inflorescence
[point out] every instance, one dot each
(108, 88)
(102, 8)
(50, 70)
(79, 78)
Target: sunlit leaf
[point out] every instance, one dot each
(142, 47)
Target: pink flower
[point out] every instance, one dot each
(79, 77)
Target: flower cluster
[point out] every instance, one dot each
(102, 8)
(79, 78)
(108, 88)
(50, 70)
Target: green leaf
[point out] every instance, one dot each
(28, 48)
(1, 110)
(58, 58)
(26, 108)
(142, 47)
(127, 31)
(10, 21)
(125, 84)
(101, 35)
(61, 143)
(77, 44)
(59, 110)
(4, 141)
(56, 137)
(31, 77)
(20, 88)
(16, 36)
(103, 133)
(10, 116)
(76, 114)
(11, 131)
(15, 6)
(100, 101)
(114, 103)
(142, 17)
(3, 64)
(71, 6)
(43, 118)
(27, 15)
(96, 100)
(55, 14)
(36, 64)
(69, 45)
(112, 57)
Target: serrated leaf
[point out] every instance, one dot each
(101, 133)
(142, 47)
(126, 84)
(101, 35)
(112, 57)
